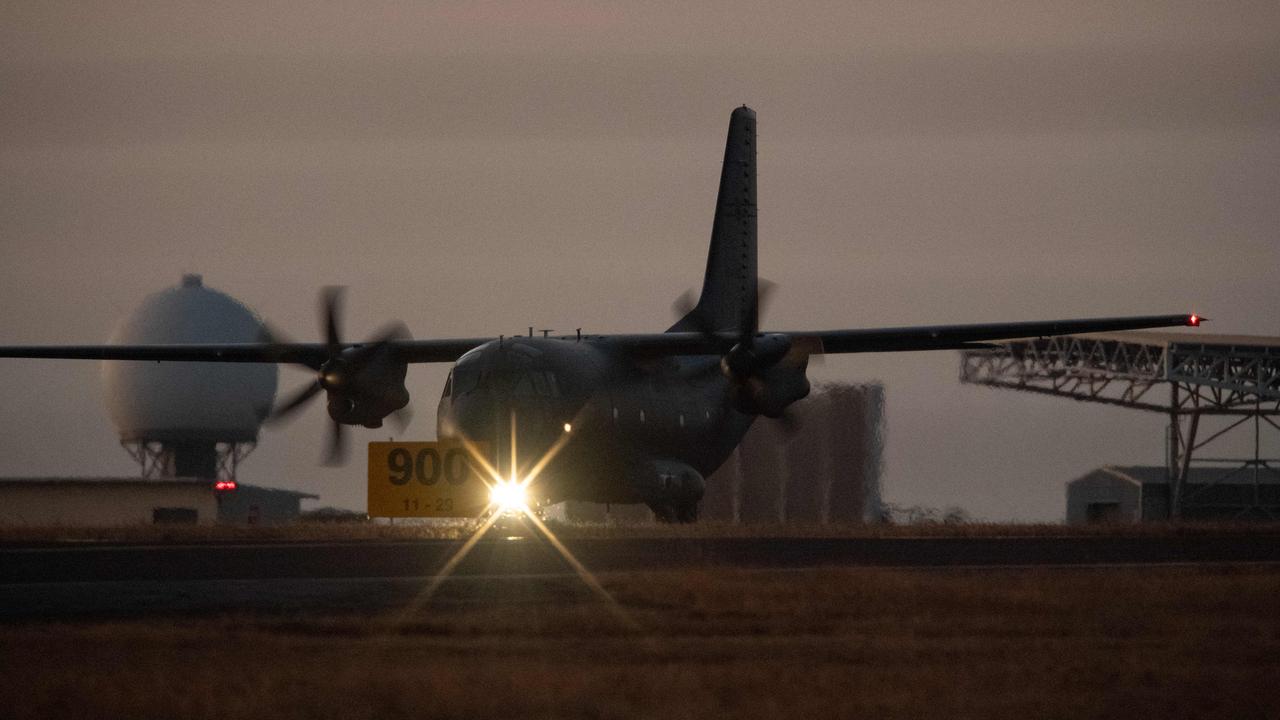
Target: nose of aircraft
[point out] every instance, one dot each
(471, 417)
(491, 421)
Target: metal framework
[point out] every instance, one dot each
(1217, 386)
(157, 458)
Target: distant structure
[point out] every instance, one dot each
(253, 505)
(104, 502)
(189, 425)
(826, 469)
(190, 420)
(1220, 393)
(1142, 494)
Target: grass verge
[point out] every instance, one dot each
(839, 643)
(343, 532)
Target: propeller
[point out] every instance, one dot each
(756, 365)
(336, 448)
(348, 375)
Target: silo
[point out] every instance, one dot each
(855, 436)
(763, 468)
(826, 470)
(808, 461)
(188, 419)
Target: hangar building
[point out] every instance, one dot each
(1142, 494)
(113, 502)
(253, 505)
(80, 502)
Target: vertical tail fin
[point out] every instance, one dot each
(728, 299)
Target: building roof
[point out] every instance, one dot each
(184, 481)
(1158, 475)
(102, 481)
(277, 491)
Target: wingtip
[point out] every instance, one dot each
(1194, 320)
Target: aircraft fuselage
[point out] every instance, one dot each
(638, 430)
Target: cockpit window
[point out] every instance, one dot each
(466, 377)
(448, 384)
(522, 382)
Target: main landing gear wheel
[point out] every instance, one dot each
(687, 512)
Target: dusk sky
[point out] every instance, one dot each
(476, 168)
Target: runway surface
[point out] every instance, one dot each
(76, 579)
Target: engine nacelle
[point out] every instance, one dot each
(771, 390)
(364, 390)
(764, 351)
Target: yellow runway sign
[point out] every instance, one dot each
(424, 479)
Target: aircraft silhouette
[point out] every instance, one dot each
(640, 418)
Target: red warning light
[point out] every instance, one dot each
(224, 485)
(1194, 321)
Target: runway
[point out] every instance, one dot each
(55, 580)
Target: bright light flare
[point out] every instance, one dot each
(1194, 321)
(508, 496)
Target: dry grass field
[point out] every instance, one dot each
(357, 531)
(1181, 642)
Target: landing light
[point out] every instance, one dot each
(568, 427)
(507, 496)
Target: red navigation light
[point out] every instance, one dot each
(1194, 321)
(225, 485)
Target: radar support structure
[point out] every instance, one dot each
(217, 461)
(1220, 388)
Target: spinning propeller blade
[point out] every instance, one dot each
(337, 374)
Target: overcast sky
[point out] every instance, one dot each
(475, 168)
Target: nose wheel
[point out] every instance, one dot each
(676, 512)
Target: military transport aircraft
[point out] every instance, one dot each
(638, 418)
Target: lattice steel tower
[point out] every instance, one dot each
(1212, 387)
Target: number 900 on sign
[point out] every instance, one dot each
(424, 479)
(429, 465)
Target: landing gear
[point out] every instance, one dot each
(663, 512)
(675, 512)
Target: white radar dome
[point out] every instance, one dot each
(188, 401)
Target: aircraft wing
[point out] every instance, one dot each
(954, 337)
(894, 339)
(310, 354)
(897, 339)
